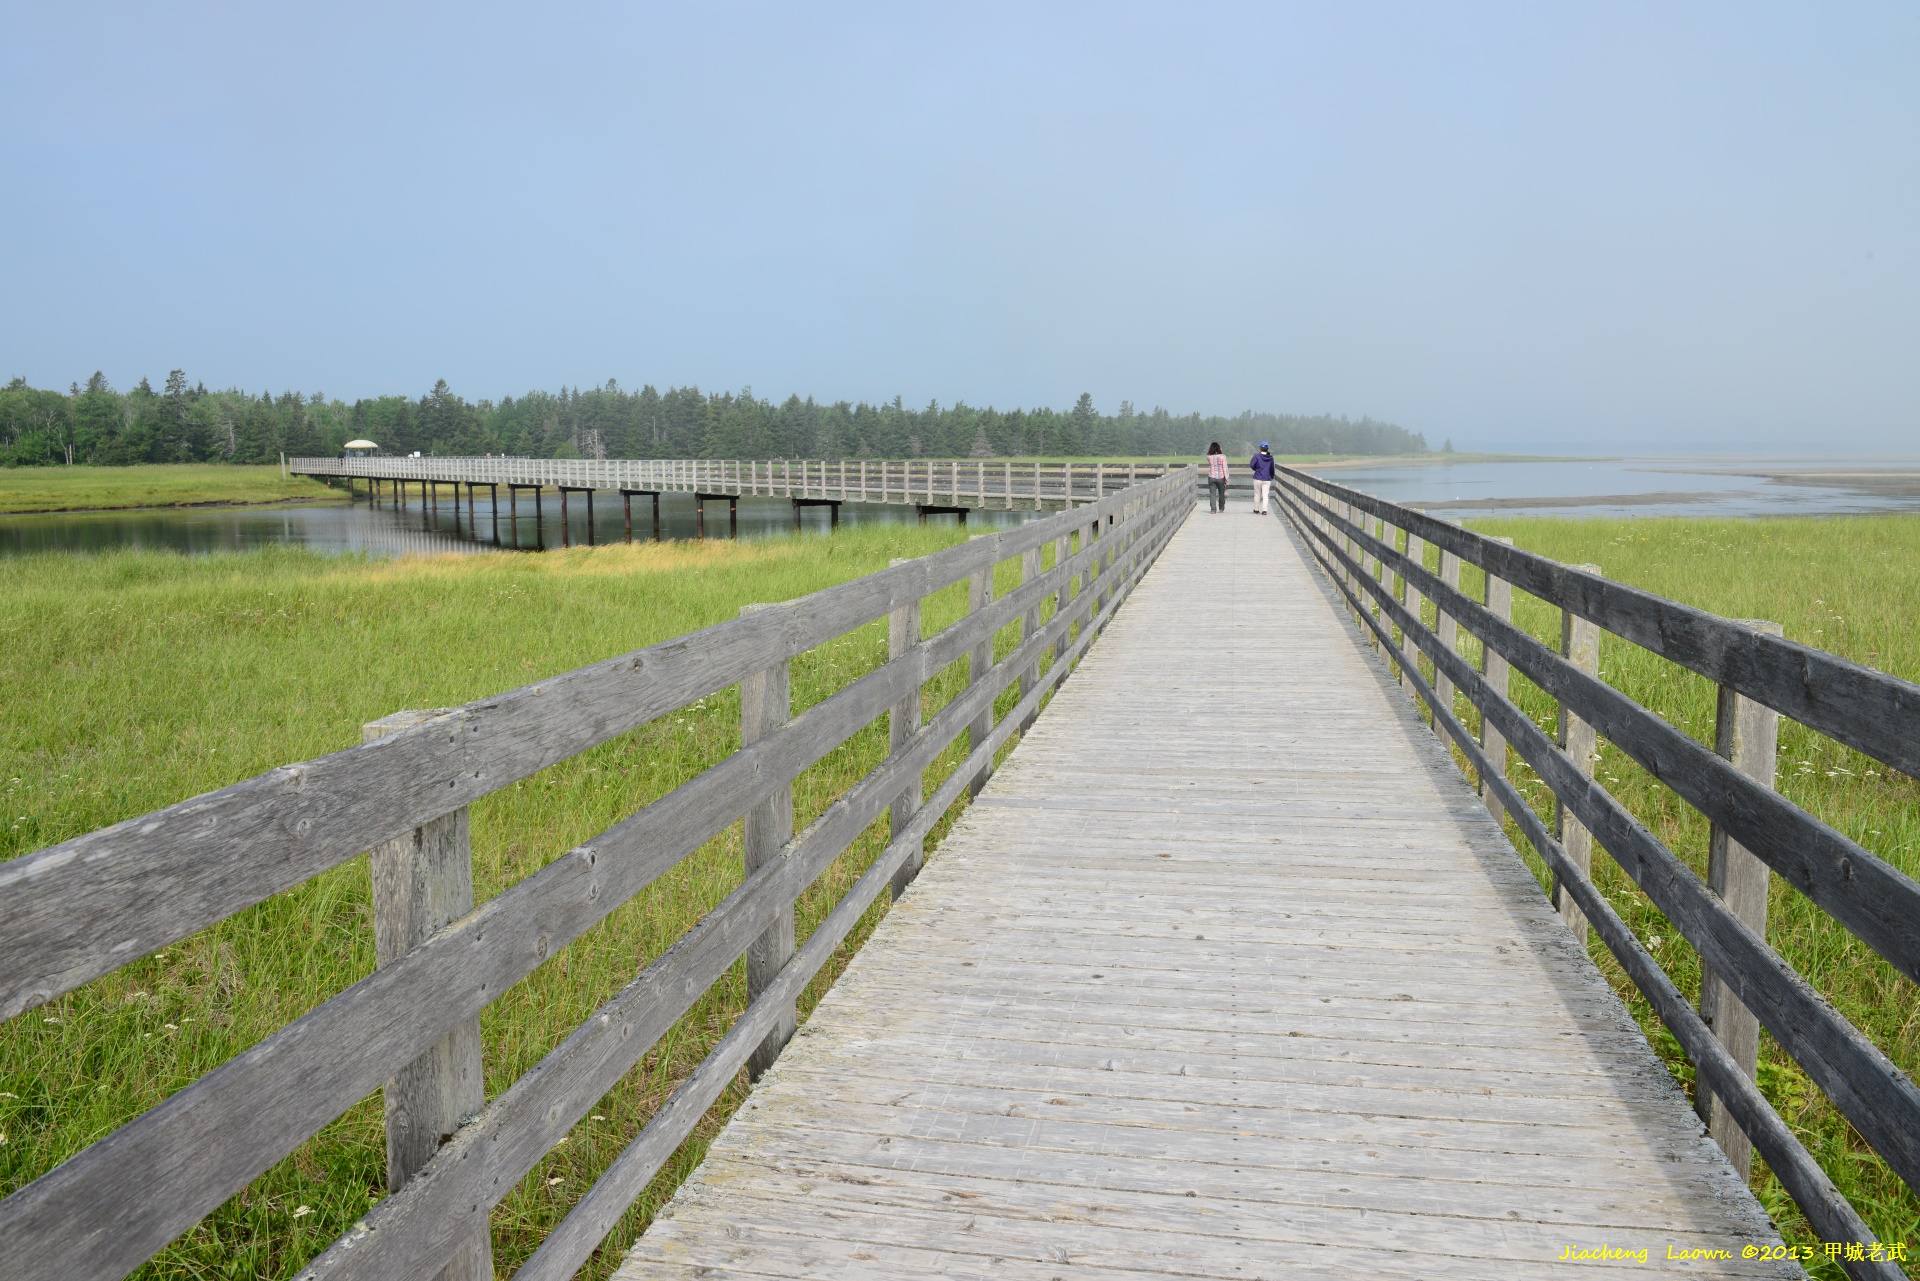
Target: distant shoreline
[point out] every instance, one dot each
(165, 507)
(1578, 500)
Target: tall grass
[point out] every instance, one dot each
(1843, 584)
(132, 680)
(53, 489)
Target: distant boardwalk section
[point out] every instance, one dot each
(942, 484)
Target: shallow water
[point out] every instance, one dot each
(1637, 487)
(417, 529)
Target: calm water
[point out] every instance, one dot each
(1644, 487)
(1600, 487)
(415, 529)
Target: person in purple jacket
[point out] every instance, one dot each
(1262, 465)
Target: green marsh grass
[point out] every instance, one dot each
(1842, 584)
(132, 680)
(55, 489)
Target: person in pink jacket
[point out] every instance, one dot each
(1216, 478)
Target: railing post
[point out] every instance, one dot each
(1029, 625)
(903, 722)
(1376, 570)
(1579, 645)
(1494, 669)
(1352, 548)
(422, 882)
(1097, 539)
(1389, 534)
(1062, 551)
(1447, 628)
(1747, 734)
(766, 704)
(1409, 651)
(979, 664)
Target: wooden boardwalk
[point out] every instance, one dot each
(1227, 973)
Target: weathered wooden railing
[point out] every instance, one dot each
(1357, 538)
(78, 910)
(959, 482)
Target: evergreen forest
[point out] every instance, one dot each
(185, 422)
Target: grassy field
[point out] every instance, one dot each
(1846, 585)
(132, 680)
(56, 489)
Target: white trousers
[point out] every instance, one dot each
(1260, 495)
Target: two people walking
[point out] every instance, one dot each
(1262, 467)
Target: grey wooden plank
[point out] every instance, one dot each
(897, 1240)
(1117, 1226)
(1605, 1192)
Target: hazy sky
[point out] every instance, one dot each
(1554, 226)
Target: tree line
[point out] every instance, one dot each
(185, 422)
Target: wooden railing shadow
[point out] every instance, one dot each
(79, 910)
(1365, 544)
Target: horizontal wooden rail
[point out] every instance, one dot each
(1869, 711)
(1881, 1102)
(115, 1203)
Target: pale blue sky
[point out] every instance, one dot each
(1561, 226)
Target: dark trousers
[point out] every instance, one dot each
(1216, 495)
